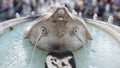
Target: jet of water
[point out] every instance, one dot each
(38, 38)
(80, 38)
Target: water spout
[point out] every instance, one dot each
(38, 38)
(32, 13)
(74, 12)
(110, 19)
(95, 17)
(17, 15)
(80, 15)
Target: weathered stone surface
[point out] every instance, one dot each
(59, 29)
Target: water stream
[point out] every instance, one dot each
(38, 38)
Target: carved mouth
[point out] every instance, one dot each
(58, 46)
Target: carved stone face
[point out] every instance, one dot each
(59, 30)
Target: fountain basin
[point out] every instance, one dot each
(102, 52)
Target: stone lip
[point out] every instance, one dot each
(8, 25)
(110, 28)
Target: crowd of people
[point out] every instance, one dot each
(103, 8)
(8, 8)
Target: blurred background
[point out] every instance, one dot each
(103, 8)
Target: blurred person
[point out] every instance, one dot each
(68, 7)
(108, 1)
(1, 7)
(94, 3)
(101, 9)
(77, 8)
(118, 10)
(1, 10)
(82, 6)
(116, 2)
(47, 2)
(26, 7)
(39, 5)
(7, 9)
(87, 2)
(42, 2)
(33, 5)
(90, 12)
(107, 7)
(54, 1)
(117, 14)
(17, 6)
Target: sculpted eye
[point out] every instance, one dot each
(44, 31)
(74, 30)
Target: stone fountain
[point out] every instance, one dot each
(58, 29)
(62, 30)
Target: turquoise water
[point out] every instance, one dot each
(102, 52)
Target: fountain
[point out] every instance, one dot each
(58, 29)
(16, 48)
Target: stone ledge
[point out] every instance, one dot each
(11, 23)
(110, 28)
